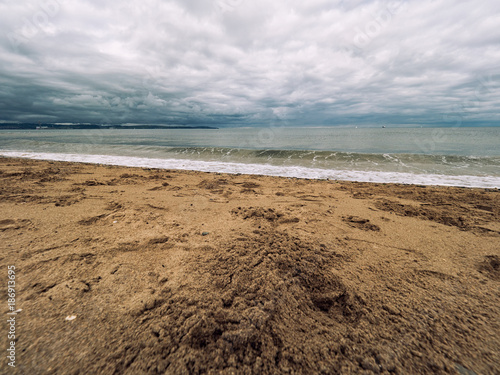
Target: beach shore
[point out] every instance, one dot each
(145, 271)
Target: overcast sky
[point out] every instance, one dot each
(250, 62)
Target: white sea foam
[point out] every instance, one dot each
(269, 170)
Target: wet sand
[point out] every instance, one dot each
(177, 272)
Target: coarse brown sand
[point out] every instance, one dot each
(175, 272)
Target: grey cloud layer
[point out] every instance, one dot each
(242, 62)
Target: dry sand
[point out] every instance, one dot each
(185, 272)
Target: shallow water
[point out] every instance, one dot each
(444, 156)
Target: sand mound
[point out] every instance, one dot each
(271, 304)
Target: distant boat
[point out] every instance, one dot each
(383, 126)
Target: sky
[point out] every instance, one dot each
(250, 62)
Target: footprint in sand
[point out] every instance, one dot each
(360, 223)
(271, 215)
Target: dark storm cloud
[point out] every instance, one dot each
(242, 62)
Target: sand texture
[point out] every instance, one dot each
(174, 272)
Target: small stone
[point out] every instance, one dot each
(204, 233)
(463, 371)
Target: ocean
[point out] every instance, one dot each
(468, 157)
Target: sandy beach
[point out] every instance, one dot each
(145, 271)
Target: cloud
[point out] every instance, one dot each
(242, 62)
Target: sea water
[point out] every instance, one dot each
(431, 156)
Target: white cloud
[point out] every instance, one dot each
(243, 62)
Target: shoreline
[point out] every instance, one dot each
(146, 271)
(466, 181)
